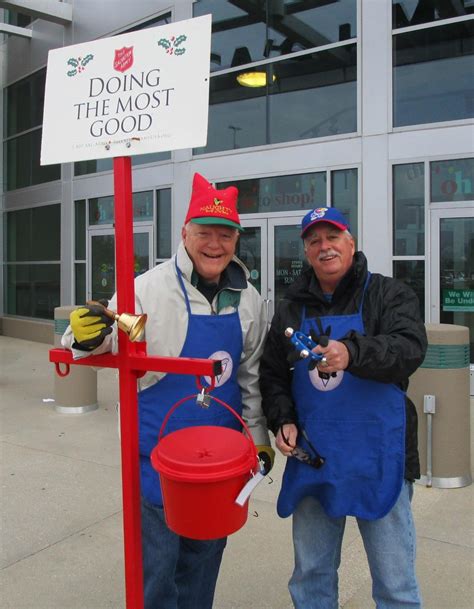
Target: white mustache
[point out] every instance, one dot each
(327, 253)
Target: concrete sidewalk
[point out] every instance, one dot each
(61, 518)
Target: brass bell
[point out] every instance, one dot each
(132, 325)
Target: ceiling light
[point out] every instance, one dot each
(254, 79)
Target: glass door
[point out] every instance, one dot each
(287, 256)
(272, 250)
(252, 249)
(452, 270)
(101, 274)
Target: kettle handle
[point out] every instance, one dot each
(229, 408)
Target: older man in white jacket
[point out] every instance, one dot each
(199, 304)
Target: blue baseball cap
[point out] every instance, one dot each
(324, 214)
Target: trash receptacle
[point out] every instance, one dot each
(440, 392)
(75, 393)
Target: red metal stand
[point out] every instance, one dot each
(132, 363)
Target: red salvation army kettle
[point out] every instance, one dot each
(206, 475)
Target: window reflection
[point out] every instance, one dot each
(456, 263)
(452, 180)
(432, 75)
(80, 229)
(412, 272)
(163, 223)
(32, 290)
(344, 195)
(143, 206)
(32, 268)
(24, 101)
(271, 29)
(312, 96)
(22, 162)
(280, 193)
(408, 209)
(33, 234)
(414, 12)
(18, 19)
(97, 165)
(289, 258)
(80, 282)
(249, 249)
(101, 209)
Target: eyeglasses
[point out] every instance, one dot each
(315, 460)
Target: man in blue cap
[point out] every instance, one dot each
(346, 424)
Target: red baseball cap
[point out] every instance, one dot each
(211, 206)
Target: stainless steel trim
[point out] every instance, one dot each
(429, 432)
(446, 482)
(266, 303)
(76, 409)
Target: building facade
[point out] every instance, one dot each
(367, 105)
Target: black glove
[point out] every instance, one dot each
(90, 325)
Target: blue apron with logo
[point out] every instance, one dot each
(209, 337)
(357, 425)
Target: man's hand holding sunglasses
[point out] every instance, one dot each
(286, 442)
(286, 439)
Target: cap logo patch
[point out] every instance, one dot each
(215, 208)
(218, 201)
(319, 212)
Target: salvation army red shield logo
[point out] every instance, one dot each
(123, 59)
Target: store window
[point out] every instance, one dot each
(23, 116)
(281, 193)
(409, 227)
(94, 225)
(101, 209)
(303, 192)
(261, 29)
(302, 91)
(409, 210)
(163, 224)
(18, 19)
(80, 251)
(414, 12)
(432, 72)
(22, 159)
(452, 180)
(32, 261)
(344, 195)
(98, 165)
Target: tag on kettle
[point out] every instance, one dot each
(248, 488)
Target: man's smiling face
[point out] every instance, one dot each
(329, 250)
(210, 247)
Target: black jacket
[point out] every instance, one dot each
(392, 349)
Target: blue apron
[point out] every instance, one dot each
(208, 336)
(358, 425)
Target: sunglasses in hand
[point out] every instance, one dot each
(314, 460)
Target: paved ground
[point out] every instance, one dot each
(60, 508)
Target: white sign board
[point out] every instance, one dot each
(146, 91)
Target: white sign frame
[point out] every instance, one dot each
(137, 93)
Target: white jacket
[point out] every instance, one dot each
(158, 293)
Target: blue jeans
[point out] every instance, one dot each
(389, 544)
(178, 573)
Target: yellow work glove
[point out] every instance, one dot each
(266, 454)
(90, 325)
